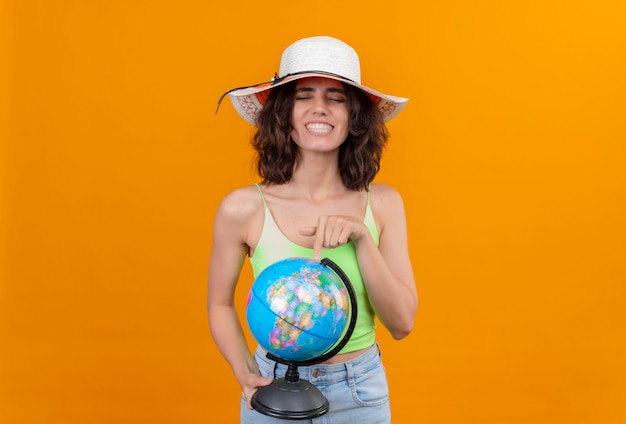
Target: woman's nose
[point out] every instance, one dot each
(319, 105)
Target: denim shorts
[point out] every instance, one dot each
(356, 390)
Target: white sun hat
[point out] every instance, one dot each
(310, 57)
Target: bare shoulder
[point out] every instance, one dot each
(384, 197)
(387, 206)
(240, 205)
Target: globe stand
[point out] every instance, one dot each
(292, 398)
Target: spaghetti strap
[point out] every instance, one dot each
(258, 186)
(369, 218)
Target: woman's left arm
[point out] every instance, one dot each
(386, 268)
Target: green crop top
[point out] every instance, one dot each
(273, 246)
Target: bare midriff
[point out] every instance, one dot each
(343, 357)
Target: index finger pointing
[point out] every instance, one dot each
(318, 242)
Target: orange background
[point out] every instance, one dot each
(510, 156)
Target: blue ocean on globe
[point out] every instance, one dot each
(297, 309)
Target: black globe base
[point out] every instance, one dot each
(290, 398)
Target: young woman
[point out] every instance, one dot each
(319, 141)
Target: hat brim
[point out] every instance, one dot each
(249, 101)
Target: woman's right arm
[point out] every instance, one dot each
(229, 249)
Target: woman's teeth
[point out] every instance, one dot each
(319, 128)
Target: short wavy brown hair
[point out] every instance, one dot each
(359, 154)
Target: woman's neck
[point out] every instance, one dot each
(317, 169)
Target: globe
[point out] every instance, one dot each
(298, 309)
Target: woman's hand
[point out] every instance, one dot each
(250, 383)
(333, 231)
